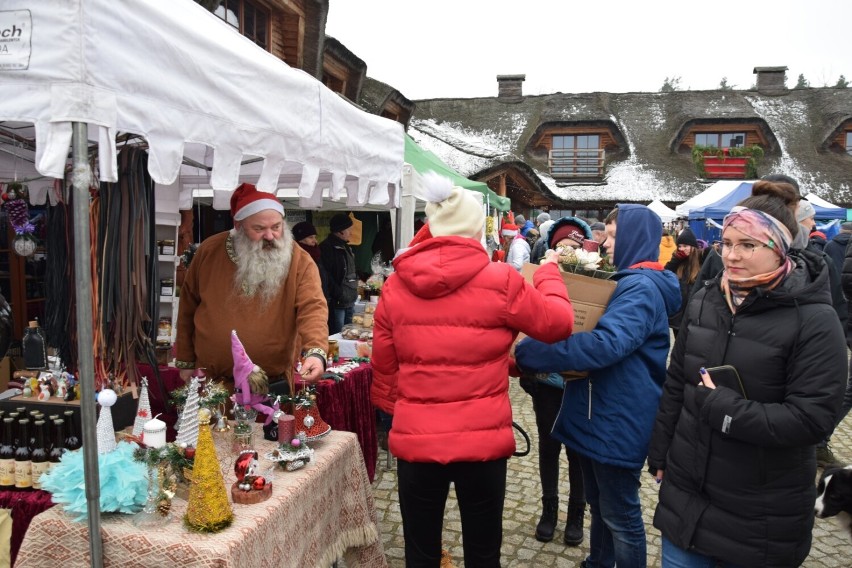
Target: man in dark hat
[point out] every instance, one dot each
(341, 284)
(251, 279)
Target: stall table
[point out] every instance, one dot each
(315, 516)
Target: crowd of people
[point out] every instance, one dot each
(731, 420)
(736, 461)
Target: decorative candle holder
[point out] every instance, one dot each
(153, 513)
(243, 428)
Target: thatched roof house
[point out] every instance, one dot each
(588, 151)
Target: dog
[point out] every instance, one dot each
(834, 496)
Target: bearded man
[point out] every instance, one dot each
(252, 279)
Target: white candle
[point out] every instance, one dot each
(154, 433)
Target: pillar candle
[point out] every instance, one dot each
(154, 433)
(286, 428)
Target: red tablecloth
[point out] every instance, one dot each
(24, 505)
(346, 405)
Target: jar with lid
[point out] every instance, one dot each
(167, 287)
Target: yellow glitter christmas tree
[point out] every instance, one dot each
(208, 509)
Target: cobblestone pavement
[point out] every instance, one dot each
(831, 546)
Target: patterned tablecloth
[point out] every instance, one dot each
(320, 513)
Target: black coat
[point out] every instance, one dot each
(340, 281)
(836, 249)
(739, 474)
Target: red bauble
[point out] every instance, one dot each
(258, 483)
(4, 196)
(189, 453)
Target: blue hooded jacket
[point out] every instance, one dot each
(625, 353)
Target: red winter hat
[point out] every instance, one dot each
(567, 231)
(247, 200)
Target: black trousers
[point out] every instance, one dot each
(547, 401)
(480, 491)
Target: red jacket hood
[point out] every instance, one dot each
(436, 267)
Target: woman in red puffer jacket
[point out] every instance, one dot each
(443, 329)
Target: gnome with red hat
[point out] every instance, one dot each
(253, 279)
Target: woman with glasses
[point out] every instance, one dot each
(736, 461)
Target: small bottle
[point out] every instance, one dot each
(34, 415)
(34, 348)
(39, 454)
(57, 448)
(72, 438)
(23, 457)
(7, 456)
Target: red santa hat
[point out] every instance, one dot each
(247, 200)
(509, 230)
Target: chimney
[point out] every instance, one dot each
(510, 86)
(771, 80)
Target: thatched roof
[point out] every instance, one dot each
(476, 135)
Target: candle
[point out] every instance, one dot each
(286, 428)
(154, 433)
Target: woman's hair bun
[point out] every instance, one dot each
(784, 191)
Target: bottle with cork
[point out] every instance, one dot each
(34, 348)
(23, 457)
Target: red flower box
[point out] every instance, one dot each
(727, 167)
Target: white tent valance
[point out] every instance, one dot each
(182, 78)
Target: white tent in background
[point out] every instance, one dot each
(666, 213)
(818, 201)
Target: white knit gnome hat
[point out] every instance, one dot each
(451, 210)
(105, 430)
(143, 411)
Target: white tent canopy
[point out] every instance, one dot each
(666, 213)
(192, 87)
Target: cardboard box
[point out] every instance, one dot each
(589, 298)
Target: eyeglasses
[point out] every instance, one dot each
(745, 250)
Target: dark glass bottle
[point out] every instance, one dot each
(34, 415)
(34, 348)
(23, 457)
(7, 456)
(57, 447)
(72, 434)
(39, 453)
(15, 416)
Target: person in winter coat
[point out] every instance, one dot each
(518, 252)
(836, 247)
(686, 264)
(546, 392)
(440, 359)
(341, 279)
(737, 463)
(538, 250)
(607, 417)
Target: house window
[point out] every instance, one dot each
(247, 18)
(849, 142)
(576, 156)
(720, 139)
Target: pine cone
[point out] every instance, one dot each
(164, 506)
(18, 212)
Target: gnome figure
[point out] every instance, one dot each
(250, 380)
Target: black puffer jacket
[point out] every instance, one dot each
(739, 474)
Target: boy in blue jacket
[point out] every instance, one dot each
(607, 418)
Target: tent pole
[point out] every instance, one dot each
(82, 268)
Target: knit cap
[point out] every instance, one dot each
(451, 210)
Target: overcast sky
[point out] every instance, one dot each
(456, 48)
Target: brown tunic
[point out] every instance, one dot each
(211, 306)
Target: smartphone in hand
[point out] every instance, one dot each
(727, 376)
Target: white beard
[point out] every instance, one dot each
(262, 266)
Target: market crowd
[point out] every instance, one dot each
(731, 420)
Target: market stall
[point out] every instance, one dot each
(178, 82)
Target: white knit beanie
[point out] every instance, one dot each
(451, 210)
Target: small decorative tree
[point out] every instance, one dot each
(802, 83)
(188, 431)
(208, 509)
(143, 411)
